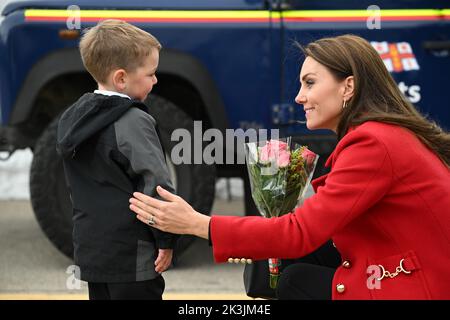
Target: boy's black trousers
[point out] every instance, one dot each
(142, 290)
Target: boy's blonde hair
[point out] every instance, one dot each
(115, 44)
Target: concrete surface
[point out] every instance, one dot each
(31, 268)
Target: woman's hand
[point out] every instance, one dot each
(174, 215)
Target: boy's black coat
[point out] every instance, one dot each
(110, 148)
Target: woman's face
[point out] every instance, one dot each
(321, 95)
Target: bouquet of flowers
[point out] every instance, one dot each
(279, 173)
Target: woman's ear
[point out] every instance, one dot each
(119, 80)
(349, 87)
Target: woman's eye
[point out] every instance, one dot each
(309, 83)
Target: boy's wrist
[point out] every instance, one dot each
(166, 243)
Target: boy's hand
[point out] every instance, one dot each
(163, 260)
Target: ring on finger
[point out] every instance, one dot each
(151, 221)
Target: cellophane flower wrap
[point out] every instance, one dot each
(280, 172)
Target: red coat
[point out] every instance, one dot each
(387, 198)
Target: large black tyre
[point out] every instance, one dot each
(50, 197)
(49, 193)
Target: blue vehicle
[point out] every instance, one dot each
(228, 63)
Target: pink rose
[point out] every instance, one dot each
(272, 149)
(308, 155)
(280, 145)
(275, 150)
(284, 159)
(265, 154)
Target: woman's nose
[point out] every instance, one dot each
(300, 98)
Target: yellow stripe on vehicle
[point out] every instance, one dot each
(360, 13)
(230, 16)
(149, 14)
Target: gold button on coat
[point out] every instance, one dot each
(243, 261)
(230, 260)
(346, 264)
(237, 260)
(340, 288)
(249, 261)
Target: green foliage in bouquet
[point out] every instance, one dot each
(278, 193)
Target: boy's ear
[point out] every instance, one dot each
(119, 79)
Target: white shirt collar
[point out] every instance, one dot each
(111, 93)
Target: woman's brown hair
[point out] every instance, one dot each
(376, 94)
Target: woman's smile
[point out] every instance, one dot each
(308, 110)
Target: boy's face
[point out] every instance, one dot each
(140, 82)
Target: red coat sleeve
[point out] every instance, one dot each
(361, 175)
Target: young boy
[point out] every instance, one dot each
(110, 148)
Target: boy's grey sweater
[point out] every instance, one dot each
(110, 148)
